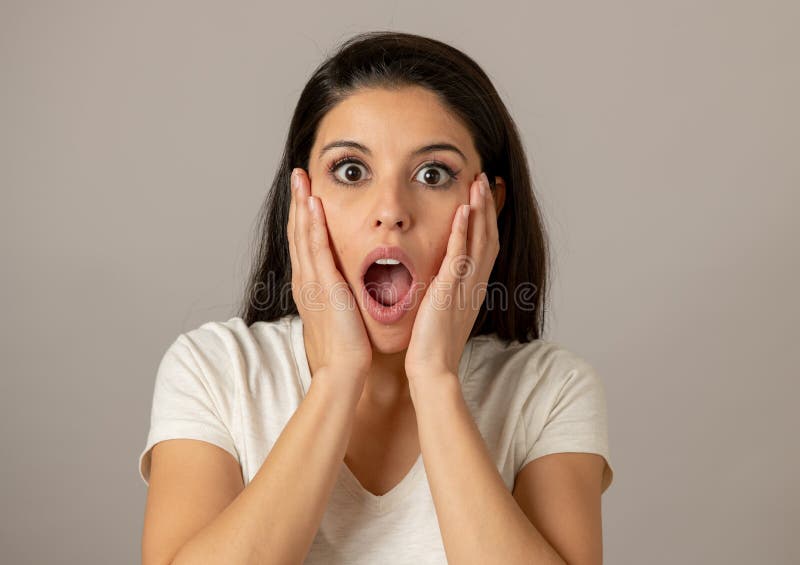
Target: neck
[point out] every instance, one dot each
(386, 382)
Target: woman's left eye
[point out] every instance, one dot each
(432, 177)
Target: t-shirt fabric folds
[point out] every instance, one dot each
(236, 386)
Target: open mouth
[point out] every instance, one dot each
(388, 278)
(387, 281)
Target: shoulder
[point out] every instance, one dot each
(218, 355)
(219, 343)
(530, 382)
(535, 365)
(550, 397)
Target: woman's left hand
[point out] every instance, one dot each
(453, 299)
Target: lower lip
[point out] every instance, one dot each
(387, 314)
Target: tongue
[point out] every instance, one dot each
(387, 283)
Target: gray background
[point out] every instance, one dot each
(138, 140)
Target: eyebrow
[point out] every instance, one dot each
(439, 146)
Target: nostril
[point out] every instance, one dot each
(398, 223)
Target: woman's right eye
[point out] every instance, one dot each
(350, 172)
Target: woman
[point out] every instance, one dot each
(385, 395)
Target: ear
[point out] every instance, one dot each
(499, 193)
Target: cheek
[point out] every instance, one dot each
(436, 248)
(339, 233)
(338, 248)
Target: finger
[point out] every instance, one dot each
(302, 223)
(491, 216)
(476, 234)
(291, 222)
(320, 247)
(456, 263)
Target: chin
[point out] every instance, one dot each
(388, 339)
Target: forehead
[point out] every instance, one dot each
(393, 121)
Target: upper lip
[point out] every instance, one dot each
(388, 252)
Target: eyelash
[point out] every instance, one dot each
(352, 159)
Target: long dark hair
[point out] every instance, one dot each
(392, 60)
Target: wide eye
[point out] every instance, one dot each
(435, 176)
(351, 171)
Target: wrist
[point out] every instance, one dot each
(433, 385)
(341, 380)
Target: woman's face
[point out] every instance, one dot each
(390, 191)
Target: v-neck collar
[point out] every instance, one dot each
(389, 500)
(382, 503)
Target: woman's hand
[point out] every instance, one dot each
(334, 331)
(453, 300)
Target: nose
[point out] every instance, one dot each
(391, 212)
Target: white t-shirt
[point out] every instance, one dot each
(237, 386)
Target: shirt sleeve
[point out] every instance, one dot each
(577, 420)
(188, 403)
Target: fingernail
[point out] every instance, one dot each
(293, 179)
(482, 188)
(465, 210)
(312, 205)
(485, 179)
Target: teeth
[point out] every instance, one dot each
(387, 262)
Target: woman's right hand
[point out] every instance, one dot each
(335, 336)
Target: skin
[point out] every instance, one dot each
(391, 201)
